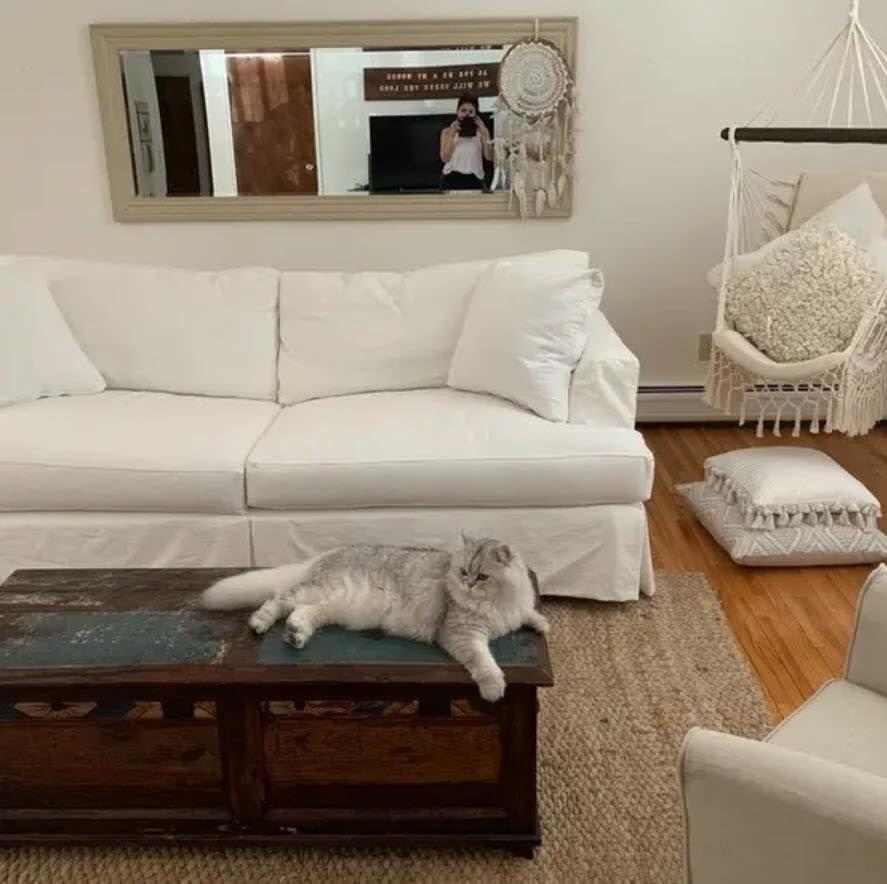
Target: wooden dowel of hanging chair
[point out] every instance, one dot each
(808, 135)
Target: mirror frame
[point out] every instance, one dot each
(108, 40)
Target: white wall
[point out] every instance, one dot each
(657, 80)
(342, 115)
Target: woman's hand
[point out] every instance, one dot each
(448, 138)
(486, 143)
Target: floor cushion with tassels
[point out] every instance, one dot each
(787, 506)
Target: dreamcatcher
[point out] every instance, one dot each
(533, 118)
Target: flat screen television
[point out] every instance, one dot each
(405, 152)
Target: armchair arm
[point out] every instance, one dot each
(758, 812)
(867, 657)
(604, 388)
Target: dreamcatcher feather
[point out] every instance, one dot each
(534, 114)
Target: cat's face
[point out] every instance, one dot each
(484, 567)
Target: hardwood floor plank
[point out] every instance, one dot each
(793, 624)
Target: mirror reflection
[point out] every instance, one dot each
(316, 121)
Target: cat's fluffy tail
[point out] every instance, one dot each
(250, 589)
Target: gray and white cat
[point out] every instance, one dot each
(459, 600)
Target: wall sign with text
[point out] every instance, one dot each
(447, 81)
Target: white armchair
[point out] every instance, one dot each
(808, 805)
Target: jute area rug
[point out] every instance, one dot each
(630, 680)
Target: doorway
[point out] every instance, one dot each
(272, 115)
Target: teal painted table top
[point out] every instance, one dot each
(130, 621)
(335, 645)
(105, 638)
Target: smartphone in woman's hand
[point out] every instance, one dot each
(468, 127)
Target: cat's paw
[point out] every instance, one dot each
(539, 624)
(296, 634)
(492, 686)
(261, 621)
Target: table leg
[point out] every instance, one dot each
(243, 754)
(517, 733)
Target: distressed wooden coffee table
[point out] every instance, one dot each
(128, 713)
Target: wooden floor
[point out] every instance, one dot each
(793, 624)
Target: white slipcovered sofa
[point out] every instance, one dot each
(192, 456)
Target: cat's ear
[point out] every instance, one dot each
(467, 540)
(503, 554)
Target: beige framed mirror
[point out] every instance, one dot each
(303, 121)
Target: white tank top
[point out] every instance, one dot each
(467, 157)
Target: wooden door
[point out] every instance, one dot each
(179, 136)
(272, 117)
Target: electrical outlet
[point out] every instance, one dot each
(705, 347)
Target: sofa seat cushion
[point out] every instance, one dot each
(841, 722)
(128, 451)
(440, 448)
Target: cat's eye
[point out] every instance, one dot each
(482, 577)
(463, 572)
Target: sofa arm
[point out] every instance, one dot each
(758, 812)
(604, 389)
(867, 658)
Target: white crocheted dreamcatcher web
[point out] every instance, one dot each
(533, 78)
(534, 125)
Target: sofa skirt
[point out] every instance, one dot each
(122, 540)
(595, 552)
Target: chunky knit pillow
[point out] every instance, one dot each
(806, 298)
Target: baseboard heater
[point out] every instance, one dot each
(683, 405)
(676, 404)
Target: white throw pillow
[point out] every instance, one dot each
(856, 213)
(785, 486)
(802, 545)
(804, 299)
(38, 354)
(524, 332)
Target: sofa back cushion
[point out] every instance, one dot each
(171, 330)
(38, 354)
(344, 333)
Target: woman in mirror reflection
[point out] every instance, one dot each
(464, 145)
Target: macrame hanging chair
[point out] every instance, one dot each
(844, 101)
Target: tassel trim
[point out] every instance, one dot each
(791, 515)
